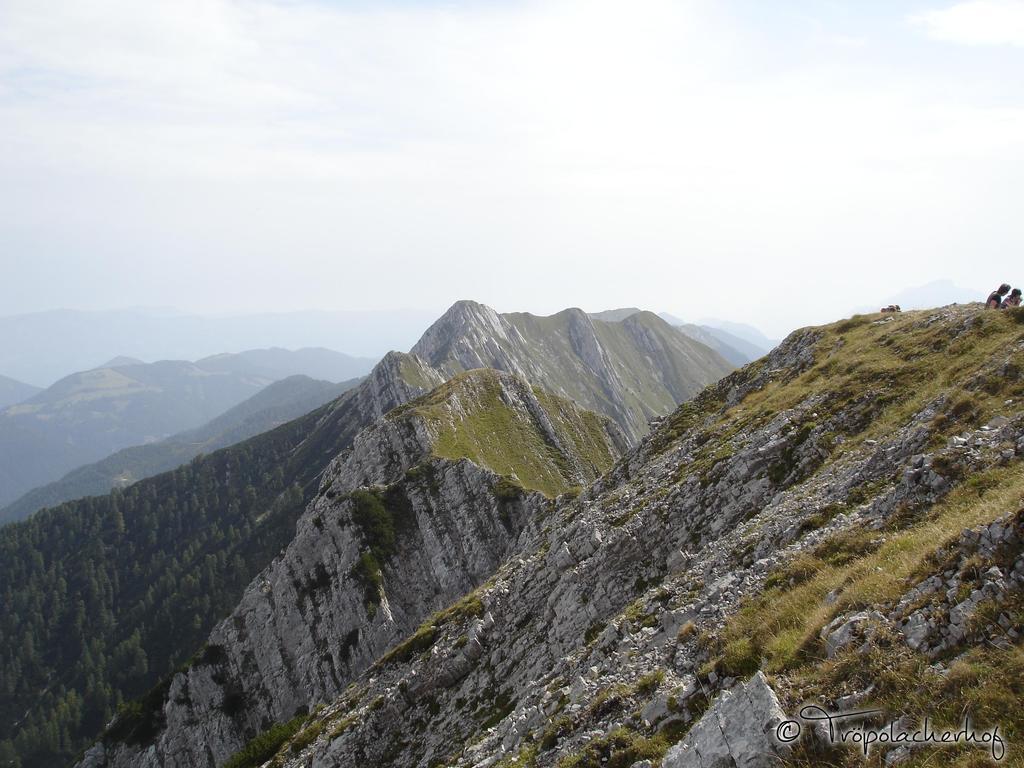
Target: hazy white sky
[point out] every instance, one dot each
(771, 162)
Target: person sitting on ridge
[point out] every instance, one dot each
(995, 299)
(1013, 300)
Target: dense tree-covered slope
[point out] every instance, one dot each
(272, 406)
(89, 415)
(103, 596)
(838, 522)
(191, 538)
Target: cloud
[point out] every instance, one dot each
(977, 22)
(281, 154)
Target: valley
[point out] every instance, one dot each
(163, 560)
(788, 522)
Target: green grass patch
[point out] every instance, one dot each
(986, 683)
(472, 421)
(266, 745)
(623, 747)
(649, 683)
(423, 638)
(419, 641)
(779, 628)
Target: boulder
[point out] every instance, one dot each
(844, 630)
(738, 731)
(917, 631)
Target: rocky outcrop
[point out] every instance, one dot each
(981, 570)
(630, 371)
(311, 622)
(601, 636)
(608, 612)
(845, 630)
(738, 731)
(366, 568)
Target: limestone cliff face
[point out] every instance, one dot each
(395, 380)
(305, 628)
(365, 569)
(811, 507)
(627, 371)
(609, 632)
(630, 370)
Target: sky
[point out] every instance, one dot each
(771, 163)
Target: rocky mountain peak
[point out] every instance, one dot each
(398, 378)
(629, 372)
(245, 501)
(837, 521)
(423, 507)
(462, 333)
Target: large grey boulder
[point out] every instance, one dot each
(738, 731)
(845, 630)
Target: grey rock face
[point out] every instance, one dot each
(603, 596)
(315, 619)
(95, 757)
(304, 628)
(738, 731)
(843, 631)
(573, 618)
(629, 371)
(936, 614)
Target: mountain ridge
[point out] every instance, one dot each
(277, 403)
(737, 351)
(776, 464)
(85, 417)
(631, 370)
(246, 497)
(41, 347)
(796, 512)
(13, 391)
(382, 587)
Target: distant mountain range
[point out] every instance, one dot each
(42, 347)
(13, 391)
(736, 350)
(89, 415)
(171, 554)
(739, 346)
(277, 363)
(272, 406)
(629, 369)
(937, 293)
(748, 333)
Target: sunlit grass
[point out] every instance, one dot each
(780, 627)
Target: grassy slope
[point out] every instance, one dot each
(903, 365)
(910, 364)
(649, 391)
(471, 420)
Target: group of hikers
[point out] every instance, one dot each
(999, 300)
